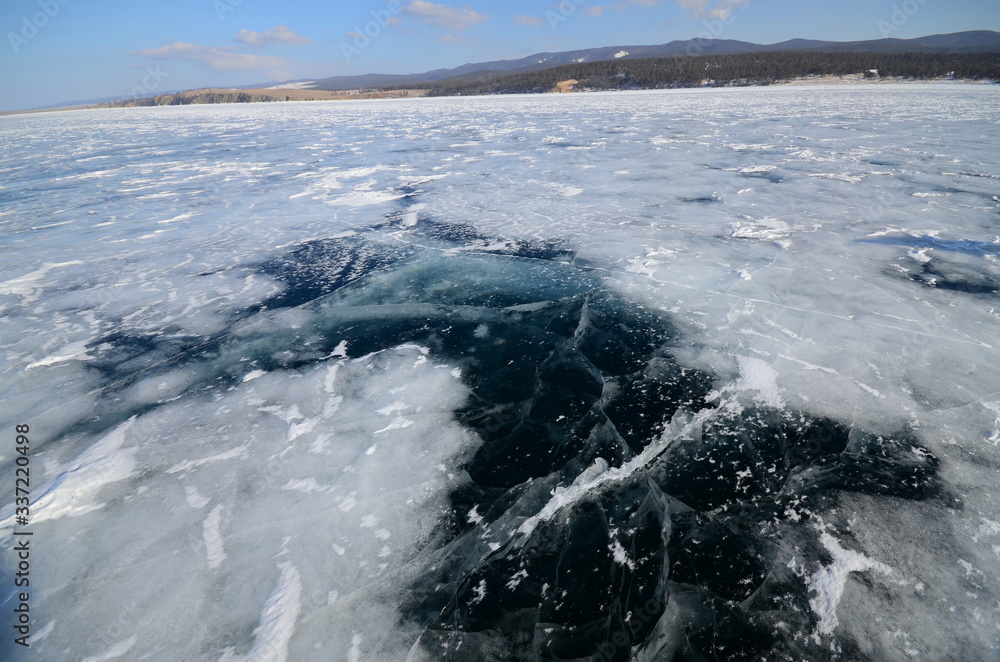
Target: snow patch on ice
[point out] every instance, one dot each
(397, 423)
(307, 486)
(28, 285)
(194, 499)
(74, 490)
(254, 374)
(758, 375)
(73, 351)
(620, 555)
(829, 582)
(354, 653)
(177, 219)
(238, 453)
(213, 538)
(117, 650)
(277, 620)
(766, 228)
(987, 529)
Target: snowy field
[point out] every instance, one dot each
(686, 375)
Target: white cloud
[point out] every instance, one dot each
(444, 16)
(213, 58)
(700, 8)
(227, 58)
(596, 10)
(726, 7)
(695, 7)
(278, 35)
(530, 21)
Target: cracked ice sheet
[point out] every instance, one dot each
(668, 182)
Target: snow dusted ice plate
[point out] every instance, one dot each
(692, 375)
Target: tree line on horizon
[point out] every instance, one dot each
(722, 71)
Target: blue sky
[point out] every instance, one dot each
(60, 50)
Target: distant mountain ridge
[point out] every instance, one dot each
(976, 41)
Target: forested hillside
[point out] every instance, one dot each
(725, 70)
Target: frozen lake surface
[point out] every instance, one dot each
(687, 375)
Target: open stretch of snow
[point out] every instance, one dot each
(830, 249)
